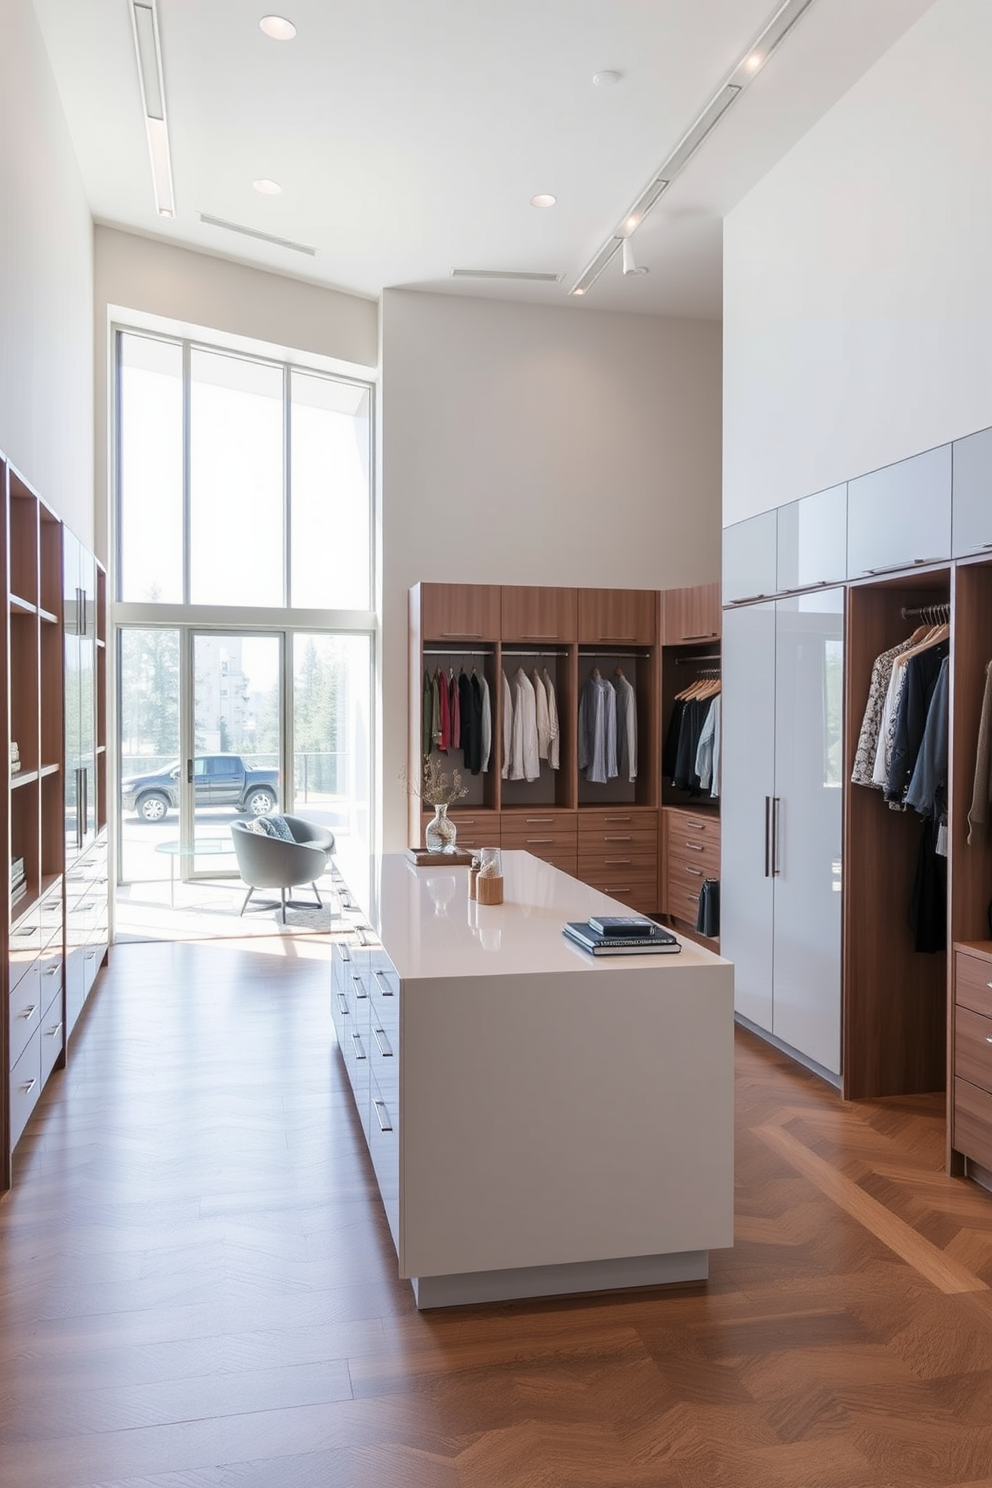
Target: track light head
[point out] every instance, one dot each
(629, 266)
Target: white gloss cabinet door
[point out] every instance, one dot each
(807, 821)
(747, 755)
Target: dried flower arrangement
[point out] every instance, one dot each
(435, 787)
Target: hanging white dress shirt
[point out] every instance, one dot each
(626, 728)
(554, 736)
(507, 726)
(543, 720)
(487, 724)
(524, 760)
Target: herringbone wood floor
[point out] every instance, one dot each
(199, 1290)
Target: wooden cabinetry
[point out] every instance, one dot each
(33, 929)
(617, 617)
(562, 637)
(538, 616)
(689, 615)
(971, 1053)
(52, 712)
(691, 856)
(460, 612)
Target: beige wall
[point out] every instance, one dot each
(858, 296)
(46, 282)
(153, 278)
(526, 445)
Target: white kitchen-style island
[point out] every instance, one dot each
(540, 1121)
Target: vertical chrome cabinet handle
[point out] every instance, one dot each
(359, 1050)
(776, 809)
(382, 984)
(343, 1004)
(768, 837)
(382, 1116)
(385, 1049)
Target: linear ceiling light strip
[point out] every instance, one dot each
(595, 266)
(148, 51)
(252, 232)
(703, 125)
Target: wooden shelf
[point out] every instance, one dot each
(47, 617)
(50, 769)
(19, 606)
(23, 777)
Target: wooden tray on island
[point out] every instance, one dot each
(424, 859)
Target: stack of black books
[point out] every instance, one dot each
(621, 935)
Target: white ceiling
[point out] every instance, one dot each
(409, 135)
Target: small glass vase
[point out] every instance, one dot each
(440, 834)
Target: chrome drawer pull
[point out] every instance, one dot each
(379, 1034)
(362, 991)
(988, 1040)
(382, 984)
(343, 1002)
(382, 1116)
(695, 847)
(359, 1051)
(533, 841)
(696, 872)
(28, 1012)
(344, 955)
(621, 837)
(539, 821)
(52, 971)
(53, 1032)
(616, 818)
(616, 862)
(699, 826)
(989, 985)
(27, 1089)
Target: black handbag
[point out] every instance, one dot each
(708, 912)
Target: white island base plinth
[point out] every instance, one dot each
(540, 1121)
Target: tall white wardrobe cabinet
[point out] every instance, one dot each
(782, 817)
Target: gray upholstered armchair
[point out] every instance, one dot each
(271, 862)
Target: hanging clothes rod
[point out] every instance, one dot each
(547, 651)
(695, 660)
(590, 653)
(455, 651)
(935, 614)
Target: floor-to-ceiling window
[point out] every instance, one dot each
(243, 615)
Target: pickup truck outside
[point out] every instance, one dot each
(218, 780)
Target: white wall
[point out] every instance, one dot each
(46, 282)
(857, 282)
(525, 445)
(153, 278)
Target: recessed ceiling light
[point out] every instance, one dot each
(753, 62)
(268, 188)
(543, 199)
(278, 28)
(605, 79)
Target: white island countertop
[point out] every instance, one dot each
(540, 1120)
(431, 929)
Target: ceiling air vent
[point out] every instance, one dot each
(251, 232)
(518, 275)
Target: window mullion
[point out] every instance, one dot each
(287, 485)
(187, 472)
